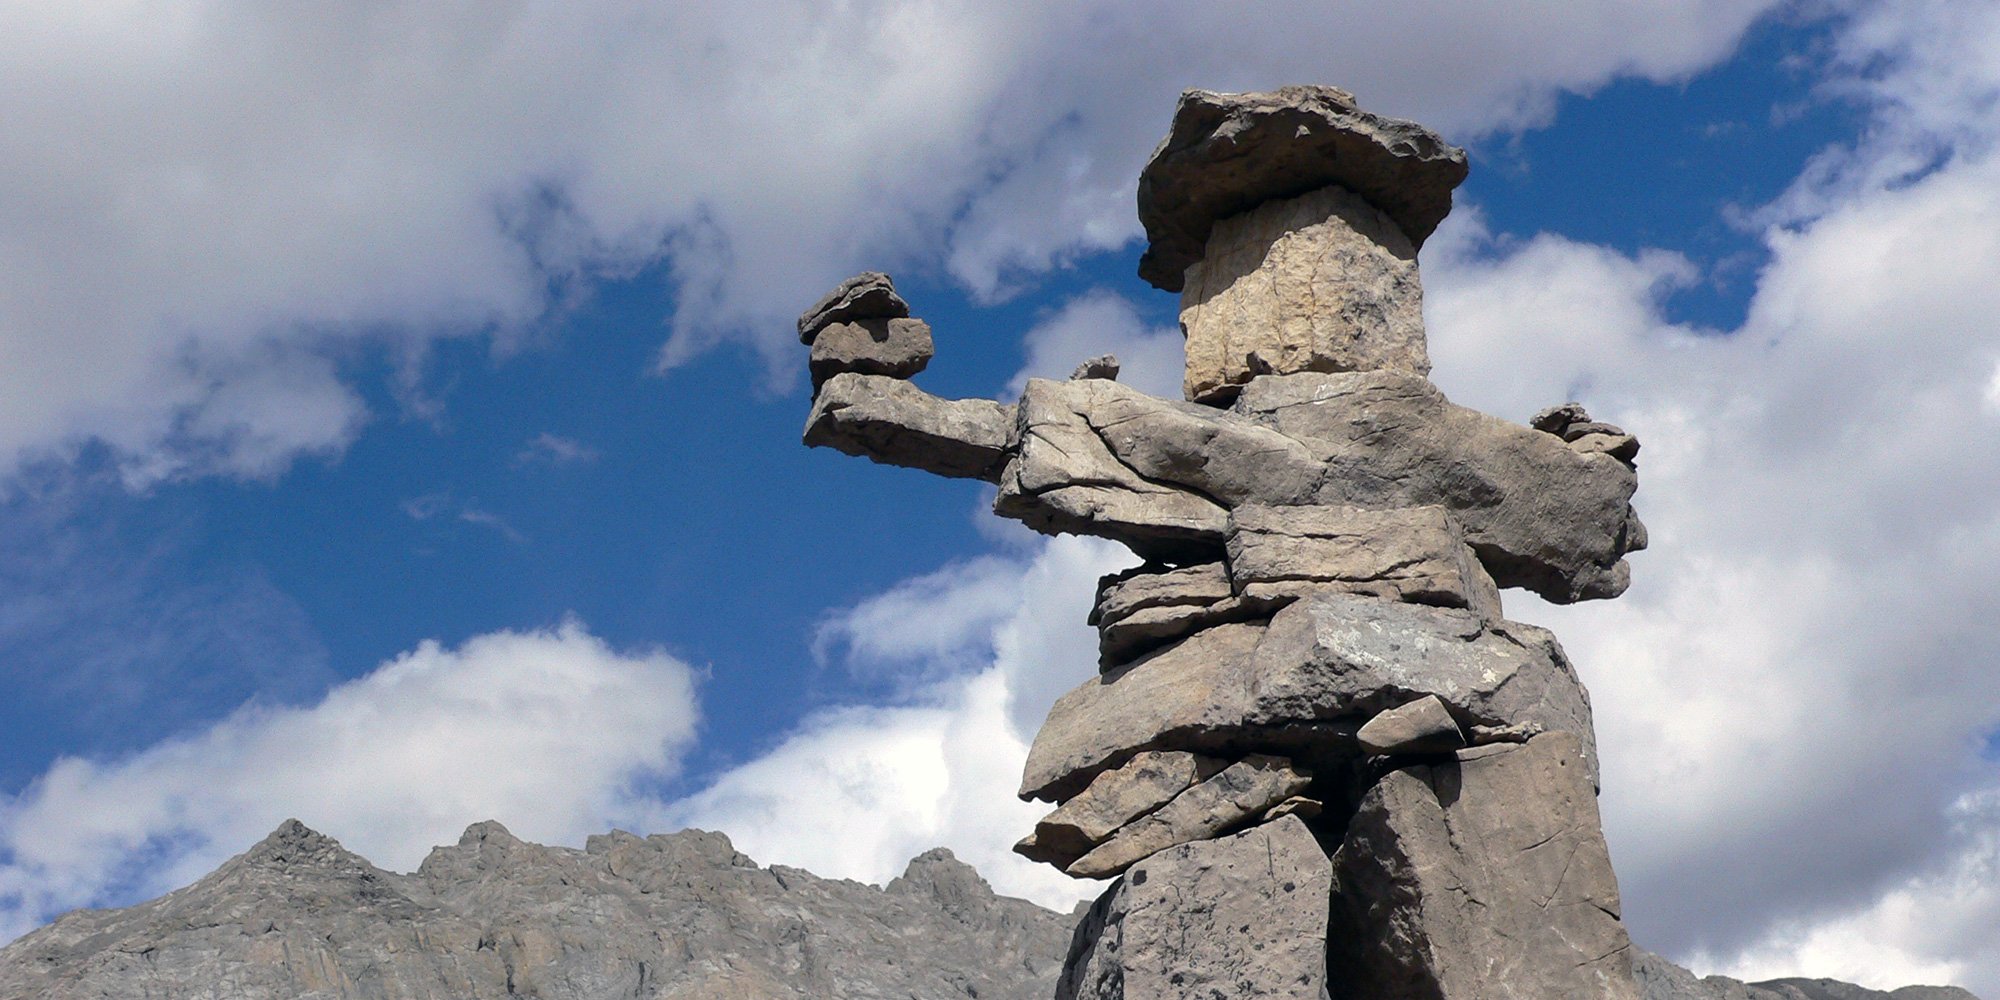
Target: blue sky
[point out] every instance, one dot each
(399, 422)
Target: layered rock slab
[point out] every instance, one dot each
(1237, 918)
(1323, 282)
(1417, 554)
(1305, 683)
(1541, 514)
(1239, 793)
(1485, 878)
(891, 421)
(1115, 798)
(1227, 153)
(897, 348)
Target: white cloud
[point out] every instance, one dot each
(1794, 697)
(941, 768)
(1097, 323)
(210, 205)
(554, 449)
(548, 729)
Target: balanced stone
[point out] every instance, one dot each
(1322, 282)
(1239, 793)
(1237, 918)
(1103, 366)
(1117, 797)
(1305, 683)
(868, 295)
(1228, 153)
(898, 348)
(1486, 879)
(1422, 726)
(1406, 554)
(1540, 514)
(890, 420)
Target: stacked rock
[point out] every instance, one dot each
(1315, 758)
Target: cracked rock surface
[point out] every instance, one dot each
(675, 917)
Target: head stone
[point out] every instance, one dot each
(1289, 221)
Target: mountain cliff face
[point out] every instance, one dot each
(683, 916)
(673, 917)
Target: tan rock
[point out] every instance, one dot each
(1323, 282)
(1304, 683)
(1404, 554)
(1483, 880)
(1240, 793)
(1115, 798)
(898, 348)
(1421, 726)
(889, 420)
(1239, 917)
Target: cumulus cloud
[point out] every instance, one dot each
(942, 766)
(1097, 323)
(1795, 700)
(213, 208)
(552, 730)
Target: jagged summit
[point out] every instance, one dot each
(680, 915)
(668, 917)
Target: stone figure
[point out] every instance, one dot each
(1316, 759)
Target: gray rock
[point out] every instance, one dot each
(868, 295)
(1323, 282)
(1421, 726)
(1297, 805)
(1114, 799)
(898, 348)
(1238, 918)
(1143, 588)
(1660, 979)
(1228, 153)
(683, 916)
(1241, 792)
(1483, 880)
(1085, 465)
(1093, 457)
(1540, 514)
(1406, 554)
(891, 421)
(1143, 609)
(1303, 685)
(1103, 366)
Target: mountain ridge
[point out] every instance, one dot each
(681, 916)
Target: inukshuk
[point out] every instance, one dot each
(1316, 758)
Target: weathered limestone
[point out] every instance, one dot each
(890, 420)
(1239, 918)
(1572, 423)
(1305, 683)
(1152, 606)
(1486, 879)
(1103, 366)
(1228, 153)
(1421, 726)
(1325, 537)
(1415, 554)
(1540, 514)
(1239, 793)
(1323, 282)
(898, 348)
(1114, 799)
(868, 295)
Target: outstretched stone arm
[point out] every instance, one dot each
(1547, 507)
(896, 423)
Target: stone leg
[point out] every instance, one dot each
(1237, 918)
(1484, 878)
